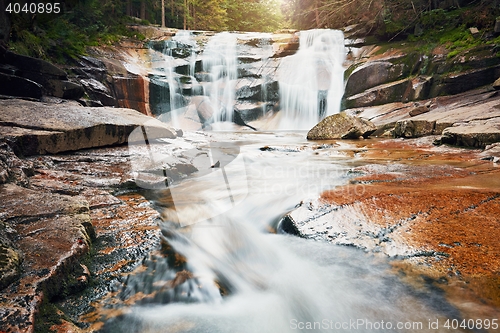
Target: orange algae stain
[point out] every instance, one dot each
(446, 200)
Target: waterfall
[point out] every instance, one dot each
(242, 71)
(311, 81)
(220, 61)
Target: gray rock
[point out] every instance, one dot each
(496, 84)
(40, 128)
(341, 126)
(397, 91)
(496, 29)
(65, 89)
(476, 134)
(54, 236)
(452, 84)
(34, 65)
(13, 169)
(413, 128)
(11, 85)
(370, 75)
(10, 257)
(419, 110)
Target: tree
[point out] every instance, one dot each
(163, 13)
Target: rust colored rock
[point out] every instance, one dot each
(132, 92)
(53, 235)
(437, 208)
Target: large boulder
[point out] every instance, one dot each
(12, 85)
(476, 134)
(387, 93)
(456, 83)
(372, 74)
(341, 126)
(50, 78)
(38, 128)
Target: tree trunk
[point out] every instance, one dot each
(129, 7)
(163, 13)
(186, 13)
(143, 9)
(316, 12)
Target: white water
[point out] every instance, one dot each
(311, 81)
(219, 59)
(277, 283)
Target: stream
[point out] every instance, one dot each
(222, 221)
(226, 264)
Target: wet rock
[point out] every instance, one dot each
(496, 84)
(39, 128)
(452, 84)
(443, 112)
(426, 213)
(370, 75)
(10, 257)
(12, 85)
(33, 66)
(132, 92)
(387, 93)
(98, 92)
(52, 80)
(492, 153)
(65, 89)
(13, 169)
(413, 128)
(420, 109)
(475, 134)
(341, 126)
(285, 45)
(53, 235)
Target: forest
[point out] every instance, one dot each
(81, 23)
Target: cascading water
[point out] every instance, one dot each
(220, 61)
(171, 73)
(237, 277)
(311, 81)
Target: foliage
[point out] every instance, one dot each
(263, 15)
(65, 36)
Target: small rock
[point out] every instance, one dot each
(420, 109)
(341, 126)
(413, 128)
(474, 31)
(496, 84)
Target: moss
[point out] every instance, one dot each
(48, 315)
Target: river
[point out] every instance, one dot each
(226, 265)
(241, 276)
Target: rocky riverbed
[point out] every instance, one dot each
(74, 222)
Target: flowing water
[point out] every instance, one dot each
(312, 80)
(219, 220)
(234, 275)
